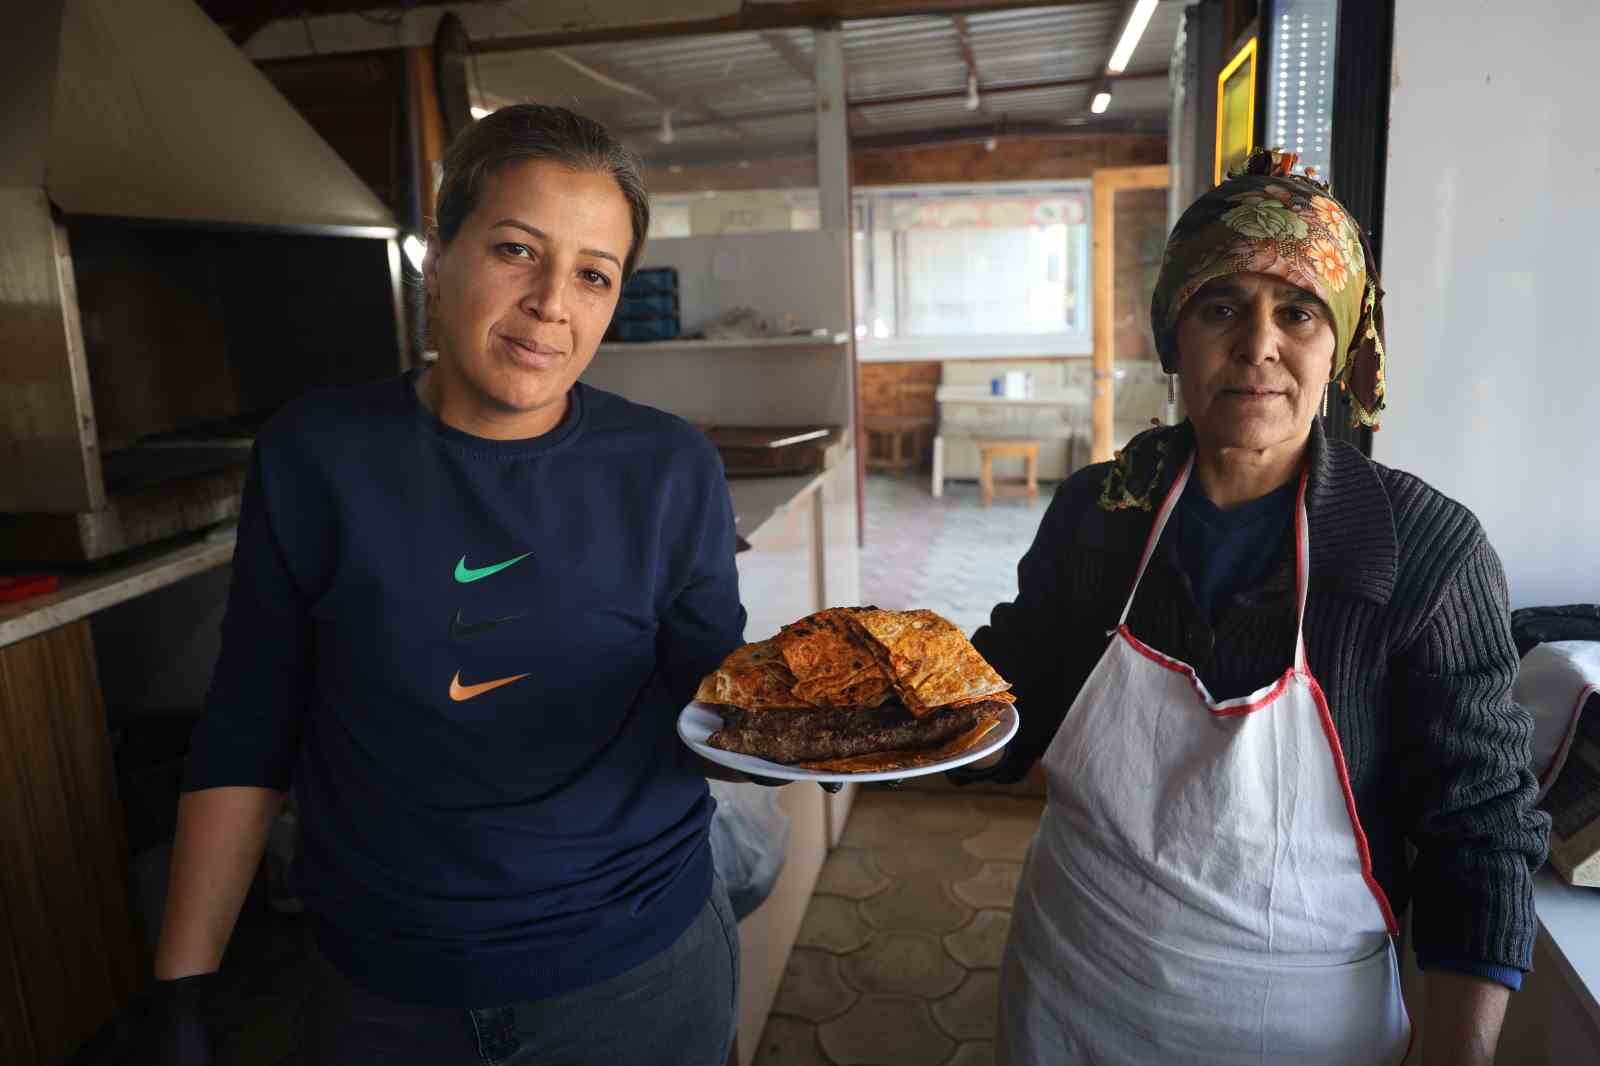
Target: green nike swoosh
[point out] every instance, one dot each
(464, 573)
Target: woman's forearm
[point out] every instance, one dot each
(222, 833)
(1461, 1018)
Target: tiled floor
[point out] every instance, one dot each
(897, 961)
(951, 554)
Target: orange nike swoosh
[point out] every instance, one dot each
(459, 692)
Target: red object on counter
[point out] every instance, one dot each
(26, 586)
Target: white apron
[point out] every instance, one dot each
(1200, 890)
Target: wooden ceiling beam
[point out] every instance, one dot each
(976, 134)
(970, 58)
(997, 90)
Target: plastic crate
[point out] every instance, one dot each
(649, 305)
(644, 329)
(652, 281)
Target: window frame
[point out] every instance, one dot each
(985, 345)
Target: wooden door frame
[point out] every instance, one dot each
(1107, 183)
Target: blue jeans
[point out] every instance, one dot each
(677, 1009)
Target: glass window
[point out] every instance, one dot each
(995, 269)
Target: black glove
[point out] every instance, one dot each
(175, 1032)
(964, 775)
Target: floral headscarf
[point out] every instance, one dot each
(1268, 220)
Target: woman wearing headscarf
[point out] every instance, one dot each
(1309, 668)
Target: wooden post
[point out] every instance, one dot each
(1107, 183)
(427, 128)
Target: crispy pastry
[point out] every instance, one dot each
(752, 677)
(832, 660)
(932, 663)
(854, 689)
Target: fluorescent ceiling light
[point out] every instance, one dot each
(665, 136)
(972, 92)
(1137, 21)
(1101, 102)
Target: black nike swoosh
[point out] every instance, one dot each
(458, 628)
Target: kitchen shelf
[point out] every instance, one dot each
(83, 593)
(834, 340)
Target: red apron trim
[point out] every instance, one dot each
(1362, 849)
(1230, 708)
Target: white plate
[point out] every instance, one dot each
(698, 721)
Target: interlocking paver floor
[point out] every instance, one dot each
(915, 964)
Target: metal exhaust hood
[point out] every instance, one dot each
(155, 114)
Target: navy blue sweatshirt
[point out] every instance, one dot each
(468, 657)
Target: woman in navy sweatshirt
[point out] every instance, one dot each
(467, 606)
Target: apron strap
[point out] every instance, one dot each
(1302, 555)
(1168, 505)
(1302, 573)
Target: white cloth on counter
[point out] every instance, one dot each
(1554, 683)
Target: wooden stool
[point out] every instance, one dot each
(896, 443)
(990, 450)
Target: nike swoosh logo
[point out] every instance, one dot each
(459, 629)
(465, 573)
(459, 692)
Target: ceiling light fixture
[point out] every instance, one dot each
(1138, 19)
(1102, 100)
(665, 136)
(972, 92)
(480, 112)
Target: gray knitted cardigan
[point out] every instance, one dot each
(1408, 631)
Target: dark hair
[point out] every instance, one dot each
(525, 132)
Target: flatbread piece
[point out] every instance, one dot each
(753, 677)
(832, 661)
(931, 661)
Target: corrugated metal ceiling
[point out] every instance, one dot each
(750, 93)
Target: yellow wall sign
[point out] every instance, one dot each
(1236, 110)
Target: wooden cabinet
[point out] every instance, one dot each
(69, 956)
(899, 415)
